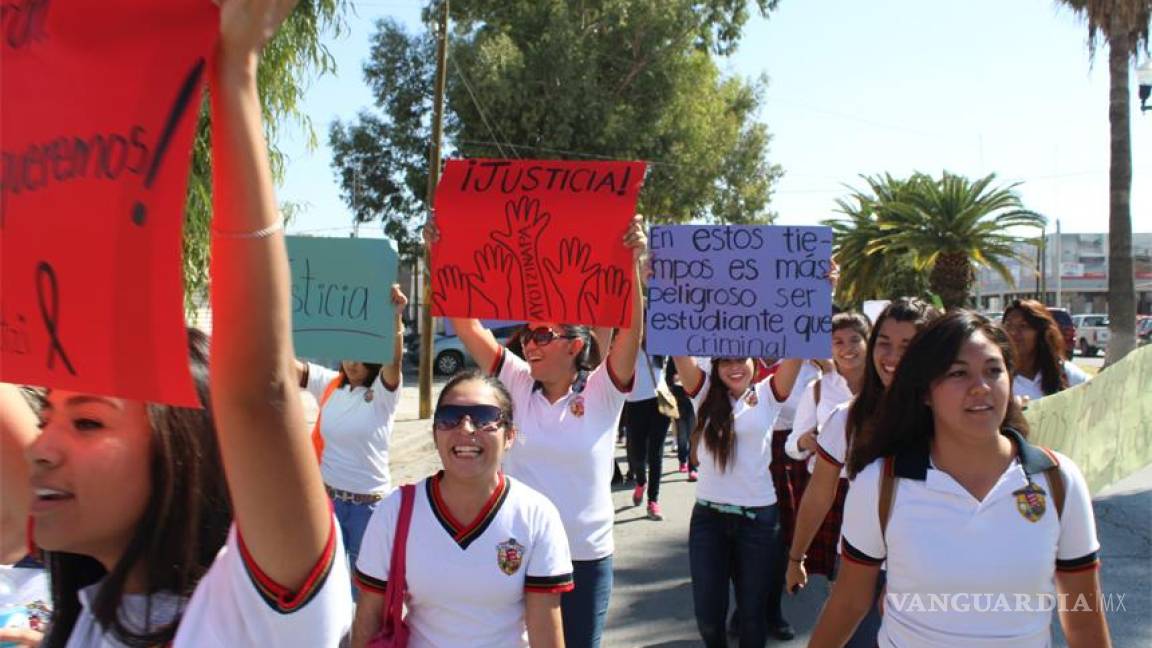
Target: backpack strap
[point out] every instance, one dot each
(317, 438)
(887, 494)
(1056, 488)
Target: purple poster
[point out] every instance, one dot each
(740, 291)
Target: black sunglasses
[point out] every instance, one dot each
(543, 336)
(484, 418)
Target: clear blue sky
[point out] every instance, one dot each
(973, 87)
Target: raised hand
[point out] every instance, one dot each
(452, 287)
(399, 299)
(492, 280)
(574, 263)
(246, 25)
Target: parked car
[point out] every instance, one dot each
(994, 316)
(1091, 333)
(1144, 330)
(448, 353)
(1067, 329)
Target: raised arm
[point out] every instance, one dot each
(626, 343)
(479, 341)
(785, 377)
(690, 373)
(278, 498)
(390, 373)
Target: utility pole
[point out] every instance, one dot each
(433, 179)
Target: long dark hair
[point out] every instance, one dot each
(905, 309)
(904, 420)
(1049, 352)
(184, 525)
(714, 420)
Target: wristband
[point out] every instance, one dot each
(797, 560)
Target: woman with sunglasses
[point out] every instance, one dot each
(487, 559)
(568, 406)
(734, 534)
(1041, 368)
(209, 526)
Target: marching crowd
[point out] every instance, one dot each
(899, 467)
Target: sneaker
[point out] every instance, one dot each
(638, 495)
(693, 475)
(683, 467)
(654, 511)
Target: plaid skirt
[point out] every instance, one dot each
(790, 477)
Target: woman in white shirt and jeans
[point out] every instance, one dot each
(735, 529)
(357, 410)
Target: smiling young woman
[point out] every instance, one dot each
(201, 526)
(947, 489)
(508, 597)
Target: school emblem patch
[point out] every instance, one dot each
(751, 398)
(577, 406)
(509, 556)
(1031, 502)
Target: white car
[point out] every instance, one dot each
(1091, 333)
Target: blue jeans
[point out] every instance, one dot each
(720, 546)
(586, 606)
(353, 519)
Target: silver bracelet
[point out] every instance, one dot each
(258, 234)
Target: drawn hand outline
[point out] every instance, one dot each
(492, 280)
(452, 287)
(575, 257)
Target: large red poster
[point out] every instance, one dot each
(100, 101)
(538, 240)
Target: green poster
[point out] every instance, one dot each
(341, 298)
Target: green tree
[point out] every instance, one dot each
(943, 227)
(865, 275)
(1124, 26)
(294, 56)
(612, 79)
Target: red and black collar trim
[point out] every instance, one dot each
(465, 534)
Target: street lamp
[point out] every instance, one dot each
(1144, 79)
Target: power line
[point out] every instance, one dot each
(480, 109)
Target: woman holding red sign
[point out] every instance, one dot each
(568, 406)
(198, 527)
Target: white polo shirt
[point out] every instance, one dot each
(1033, 389)
(564, 450)
(357, 430)
(466, 582)
(832, 442)
(964, 573)
(834, 391)
(643, 386)
(236, 604)
(746, 481)
(808, 373)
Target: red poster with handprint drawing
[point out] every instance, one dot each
(535, 240)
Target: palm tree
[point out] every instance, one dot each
(953, 224)
(865, 276)
(1123, 24)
